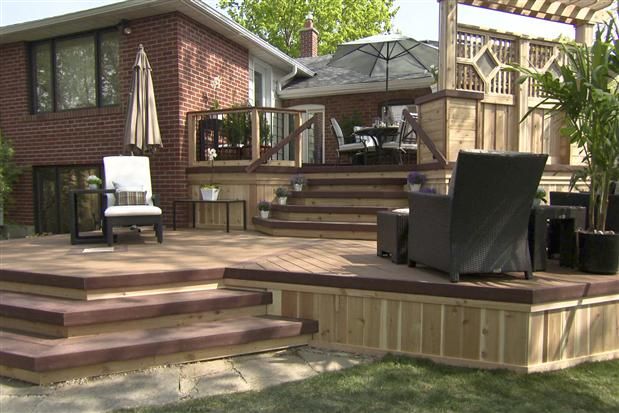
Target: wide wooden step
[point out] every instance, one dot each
(59, 317)
(45, 360)
(314, 229)
(318, 213)
(355, 184)
(391, 199)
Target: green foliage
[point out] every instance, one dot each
(9, 172)
(348, 124)
(337, 21)
(586, 90)
(401, 384)
(237, 127)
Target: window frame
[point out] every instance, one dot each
(54, 81)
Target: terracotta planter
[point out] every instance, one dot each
(209, 194)
(598, 253)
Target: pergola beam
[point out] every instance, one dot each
(575, 12)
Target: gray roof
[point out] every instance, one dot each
(334, 76)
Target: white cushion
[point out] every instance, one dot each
(409, 146)
(127, 172)
(352, 147)
(391, 145)
(132, 210)
(401, 211)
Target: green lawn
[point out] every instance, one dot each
(399, 384)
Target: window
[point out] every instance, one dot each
(75, 72)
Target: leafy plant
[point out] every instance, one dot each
(264, 206)
(348, 124)
(297, 179)
(237, 127)
(93, 180)
(541, 194)
(9, 171)
(281, 192)
(586, 90)
(416, 178)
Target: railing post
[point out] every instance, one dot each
(255, 135)
(298, 147)
(448, 28)
(522, 100)
(191, 131)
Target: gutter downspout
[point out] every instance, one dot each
(287, 78)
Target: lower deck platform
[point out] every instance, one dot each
(361, 302)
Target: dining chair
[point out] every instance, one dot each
(132, 202)
(405, 141)
(342, 147)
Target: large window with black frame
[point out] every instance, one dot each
(77, 71)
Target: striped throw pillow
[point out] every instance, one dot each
(130, 198)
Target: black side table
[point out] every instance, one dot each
(193, 203)
(76, 238)
(570, 219)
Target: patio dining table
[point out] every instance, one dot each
(379, 136)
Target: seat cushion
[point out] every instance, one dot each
(132, 210)
(405, 211)
(352, 147)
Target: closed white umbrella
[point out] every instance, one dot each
(142, 126)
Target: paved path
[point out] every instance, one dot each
(162, 385)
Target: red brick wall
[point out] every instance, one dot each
(184, 56)
(366, 104)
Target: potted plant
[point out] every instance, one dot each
(93, 181)
(282, 195)
(264, 207)
(210, 191)
(540, 196)
(415, 180)
(587, 93)
(297, 182)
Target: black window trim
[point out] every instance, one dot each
(52, 42)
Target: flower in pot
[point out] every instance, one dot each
(210, 191)
(297, 182)
(540, 196)
(93, 181)
(415, 180)
(264, 207)
(282, 195)
(586, 92)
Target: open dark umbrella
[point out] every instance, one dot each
(142, 126)
(385, 54)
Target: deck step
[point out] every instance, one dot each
(355, 184)
(45, 360)
(319, 213)
(59, 317)
(385, 199)
(314, 229)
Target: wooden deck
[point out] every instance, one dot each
(361, 302)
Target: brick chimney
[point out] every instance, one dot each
(309, 38)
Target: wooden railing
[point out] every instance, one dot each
(423, 137)
(241, 135)
(295, 135)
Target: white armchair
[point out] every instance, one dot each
(132, 202)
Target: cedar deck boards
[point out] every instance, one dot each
(350, 194)
(70, 313)
(42, 354)
(314, 225)
(332, 209)
(356, 181)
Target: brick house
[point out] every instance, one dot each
(198, 55)
(61, 129)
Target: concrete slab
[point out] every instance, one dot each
(163, 385)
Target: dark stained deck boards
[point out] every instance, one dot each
(40, 354)
(70, 313)
(315, 226)
(350, 194)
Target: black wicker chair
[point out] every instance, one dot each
(481, 226)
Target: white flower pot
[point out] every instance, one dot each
(415, 187)
(282, 200)
(264, 214)
(209, 194)
(537, 202)
(297, 187)
(93, 186)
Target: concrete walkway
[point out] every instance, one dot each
(162, 385)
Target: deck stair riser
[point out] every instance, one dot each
(44, 360)
(348, 184)
(391, 199)
(313, 229)
(325, 213)
(56, 317)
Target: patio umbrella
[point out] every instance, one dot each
(380, 55)
(142, 126)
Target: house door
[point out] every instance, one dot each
(52, 186)
(313, 139)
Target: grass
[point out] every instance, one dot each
(400, 384)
